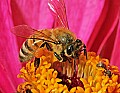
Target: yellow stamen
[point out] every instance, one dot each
(45, 78)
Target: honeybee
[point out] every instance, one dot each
(60, 40)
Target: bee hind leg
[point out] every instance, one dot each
(47, 46)
(36, 63)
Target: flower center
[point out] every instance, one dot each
(71, 82)
(69, 79)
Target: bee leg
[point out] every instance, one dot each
(47, 46)
(36, 63)
(58, 56)
(65, 58)
(75, 66)
(85, 51)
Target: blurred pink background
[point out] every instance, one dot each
(95, 22)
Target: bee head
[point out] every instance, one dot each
(74, 48)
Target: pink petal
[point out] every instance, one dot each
(6, 83)
(104, 35)
(9, 63)
(97, 26)
(83, 15)
(58, 10)
(115, 58)
(34, 13)
(92, 20)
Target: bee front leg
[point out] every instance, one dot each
(58, 56)
(65, 58)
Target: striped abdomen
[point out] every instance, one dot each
(28, 49)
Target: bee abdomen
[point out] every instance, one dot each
(26, 52)
(27, 46)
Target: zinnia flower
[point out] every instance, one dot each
(96, 22)
(94, 75)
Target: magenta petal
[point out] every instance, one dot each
(83, 15)
(105, 25)
(105, 33)
(58, 10)
(97, 26)
(9, 64)
(109, 40)
(6, 84)
(34, 13)
(115, 58)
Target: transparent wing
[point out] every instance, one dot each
(25, 31)
(58, 10)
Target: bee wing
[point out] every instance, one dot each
(25, 31)
(58, 10)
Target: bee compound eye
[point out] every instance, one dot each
(70, 49)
